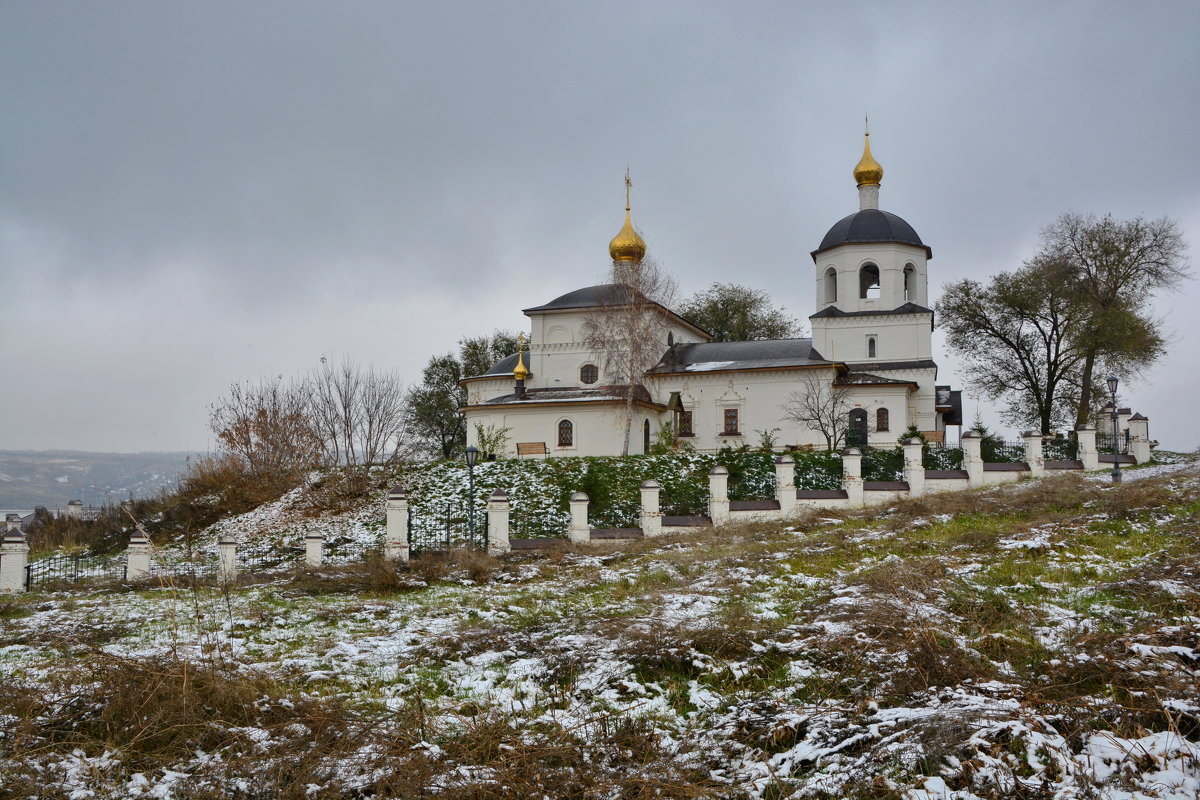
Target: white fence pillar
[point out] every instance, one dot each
(718, 495)
(581, 531)
(497, 511)
(651, 512)
(852, 482)
(137, 556)
(785, 484)
(914, 467)
(227, 559)
(1085, 436)
(1139, 448)
(1033, 453)
(14, 557)
(395, 543)
(314, 549)
(972, 447)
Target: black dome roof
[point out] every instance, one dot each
(871, 225)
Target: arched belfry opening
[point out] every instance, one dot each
(831, 285)
(868, 282)
(910, 282)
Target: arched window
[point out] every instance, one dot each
(910, 277)
(588, 373)
(868, 281)
(870, 347)
(831, 285)
(646, 436)
(881, 419)
(566, 434)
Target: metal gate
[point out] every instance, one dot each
(70, 569)
(446, 526)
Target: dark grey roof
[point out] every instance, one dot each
(907, 308)
(504, 366)
(724, 356)
(1136, 416)
(594, 395)
(871, 225)
(888, 365)
(606, 294)
(866, 378)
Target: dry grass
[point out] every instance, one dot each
(159, 712)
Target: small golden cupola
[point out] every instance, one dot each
(868, 171)
(520, 372)
(627, 247)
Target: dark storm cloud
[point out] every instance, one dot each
(192, 194)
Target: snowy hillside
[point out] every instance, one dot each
(1041, 640)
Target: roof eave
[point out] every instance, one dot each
(928, 250)
(696, 372)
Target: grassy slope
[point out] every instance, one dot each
(1034, 641)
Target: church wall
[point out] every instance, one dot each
(482, 390)
(597, 429)
(898, 402)
(898, 337)
(758, 397)
(557, 352)
(891, 259)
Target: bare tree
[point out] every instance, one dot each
(629, 332)
(359, 416)
(821, 405)
(266, 427)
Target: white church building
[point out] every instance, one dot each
(871, 336)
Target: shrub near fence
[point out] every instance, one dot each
(540, 490)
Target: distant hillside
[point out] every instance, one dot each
(51, 478)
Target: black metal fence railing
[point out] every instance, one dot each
(199, 565)
(1104, 443)
(280, 560)
(1060, 448)
(345, 550)
(70, 569)
(997, 451)
(445, 526)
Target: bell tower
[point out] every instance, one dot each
(872, 281)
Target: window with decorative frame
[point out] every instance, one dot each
(730, 417)
(685, 422)
(566, 434)
(881, 419)
(589, 373)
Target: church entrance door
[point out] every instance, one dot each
(856, 434)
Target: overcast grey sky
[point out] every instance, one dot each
(193, 194)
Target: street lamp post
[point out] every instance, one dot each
(472, 455)
(1112, 390)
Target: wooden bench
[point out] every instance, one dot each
(532, 449)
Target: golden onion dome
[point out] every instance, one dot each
(627, 246)
(520, 372)
(868, 171)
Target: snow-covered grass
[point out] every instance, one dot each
(1034, 640)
